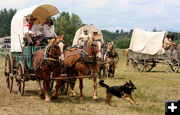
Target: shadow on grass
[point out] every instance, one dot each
(76, 100)
(30, 93)
(103, 77)
(65, 98)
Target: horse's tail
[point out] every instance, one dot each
(101, 83)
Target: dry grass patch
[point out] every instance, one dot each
(153, 88)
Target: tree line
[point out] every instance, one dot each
(68, 24)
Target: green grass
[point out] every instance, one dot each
(153, 88)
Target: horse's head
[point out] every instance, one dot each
(57, 45)
(109, 46)
(96, 45)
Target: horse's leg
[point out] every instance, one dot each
(107, 70)
(46, 87)
(40, 90)
(95, 87)
(113, 70)
(81, 88)
(96, 70)
(54, 95)
(72, 85)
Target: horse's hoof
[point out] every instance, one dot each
(47, 100)
(81, 99)
(54, 95)
(72, 94)
(95, 98)
(40, 93)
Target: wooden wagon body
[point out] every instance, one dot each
(145, 62)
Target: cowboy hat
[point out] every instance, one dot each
(85, 30)
(31, 18)
(49, 18)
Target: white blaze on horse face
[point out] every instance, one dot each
(61, 45)
(99, 54)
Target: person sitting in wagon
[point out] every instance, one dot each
(48, 30)
(82, 39)
(168, 43)
(32, 32)
(28, 29)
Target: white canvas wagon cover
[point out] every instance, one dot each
(147, 42)
(19, 20)
(90, 28)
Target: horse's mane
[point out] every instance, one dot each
(54, 41)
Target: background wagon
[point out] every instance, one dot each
(18, 63)
(151, 52)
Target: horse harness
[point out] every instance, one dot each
(50, 61)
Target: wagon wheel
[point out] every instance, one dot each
(20, 78)
(132, 65)
(167, 66)
(64, 87)
(175, 65)
(9, 72)
(148, 66)
(140, 66)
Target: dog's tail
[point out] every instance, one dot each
(101, 83)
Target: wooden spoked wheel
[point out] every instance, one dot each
(64, 87)
(140, 66)
(148, 66)
(20, 78)
(9, 72)
(167, 66)
(132, 66)
(175, 65)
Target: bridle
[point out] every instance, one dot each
(92, 45)
(56, 55)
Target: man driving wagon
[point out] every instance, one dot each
(38, 34)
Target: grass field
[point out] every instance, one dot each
(153, 88)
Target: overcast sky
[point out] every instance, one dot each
(115, 14)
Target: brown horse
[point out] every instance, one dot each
(111, 59)
(84, 62)
(47, 64)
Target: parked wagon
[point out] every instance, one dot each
(146, 50)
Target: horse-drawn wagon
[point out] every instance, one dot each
(146, 50)
(18, 63)
(51, 62)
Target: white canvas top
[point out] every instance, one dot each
(147, 42)
(19, 20)
(90, 28)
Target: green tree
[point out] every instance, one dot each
(5, 21)
(69, 25)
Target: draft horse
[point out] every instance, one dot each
(47, 64)
(84, 61)
(111, 59)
